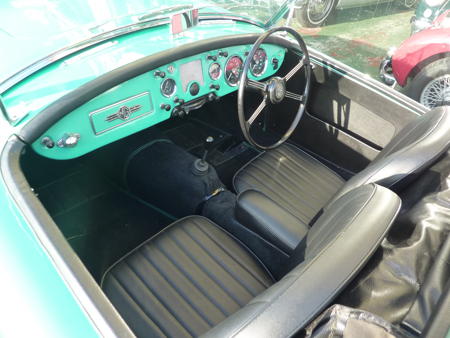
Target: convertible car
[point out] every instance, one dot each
(186, 169)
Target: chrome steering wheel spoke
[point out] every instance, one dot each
(255, 85)
(293, 96)
(294, 70)
(257, 112)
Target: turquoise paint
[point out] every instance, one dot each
(35, 300)
(89, 122)
(42, 88)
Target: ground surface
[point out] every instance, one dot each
(360, 37)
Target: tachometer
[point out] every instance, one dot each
(233, 70)
(215, 71)
(168, 87)
(259, 62)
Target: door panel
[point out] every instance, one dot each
(347, 122)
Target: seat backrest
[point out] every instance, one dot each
(335, 249)
(415, 148)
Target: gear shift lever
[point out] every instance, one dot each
(200, 165)
(208, 143)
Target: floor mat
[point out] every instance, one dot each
(227, 155)
(100, 222)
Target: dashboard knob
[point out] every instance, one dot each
(178, 112)
(178, 100)
(165, 107)
(47, 142)
(212, 97)
(214, 86)
(159, 73)
(212, 57)
(68, 140)
(275, 63)
(223, 54)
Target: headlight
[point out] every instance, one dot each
(427, 13)
(434, 3)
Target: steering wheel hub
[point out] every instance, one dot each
(276, 89)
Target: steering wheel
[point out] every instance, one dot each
(273, 90)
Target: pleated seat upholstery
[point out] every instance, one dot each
(185, 280)
(292, 178)
(303, 185)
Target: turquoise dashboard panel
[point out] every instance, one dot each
(151, 98)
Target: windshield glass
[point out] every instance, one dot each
(33, 29)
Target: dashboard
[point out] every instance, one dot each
(169, 91)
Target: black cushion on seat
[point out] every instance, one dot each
(335, 249)
(185, 280)
(303, 185)
(291, 178)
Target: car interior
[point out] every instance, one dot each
(201, 213)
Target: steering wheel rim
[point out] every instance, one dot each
(272, 87)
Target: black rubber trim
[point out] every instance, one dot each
(66, 104)
(47, 231)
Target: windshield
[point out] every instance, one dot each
(33, 29)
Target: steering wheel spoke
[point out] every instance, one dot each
(257, 112)
(255, 85)
(294, 70)
(293, 96)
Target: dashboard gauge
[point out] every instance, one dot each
(214, 71)
(168, 87)
(259, 62)
(233, 70)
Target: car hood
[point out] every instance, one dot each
(34, 93)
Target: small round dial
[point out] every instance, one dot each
(168, 87)
(215, 71)
(233, 70)
(259, 62)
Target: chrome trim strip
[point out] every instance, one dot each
(215, 16)
(91, 114)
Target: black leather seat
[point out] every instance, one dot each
(194, 278)
(303, 185)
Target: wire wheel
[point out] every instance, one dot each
(318, 10)
(437, 92)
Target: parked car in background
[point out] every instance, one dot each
(314, 13)
(421, 65)
(427, 11)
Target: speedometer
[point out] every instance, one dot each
(259, 62)
(233, 70)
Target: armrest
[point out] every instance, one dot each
(262, 215)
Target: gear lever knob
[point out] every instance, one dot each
(208, 143)
(200, 165)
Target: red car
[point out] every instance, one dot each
(422, 64)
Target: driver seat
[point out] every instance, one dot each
(303, 185)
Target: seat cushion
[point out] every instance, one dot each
(291, 178)
(184, 280)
